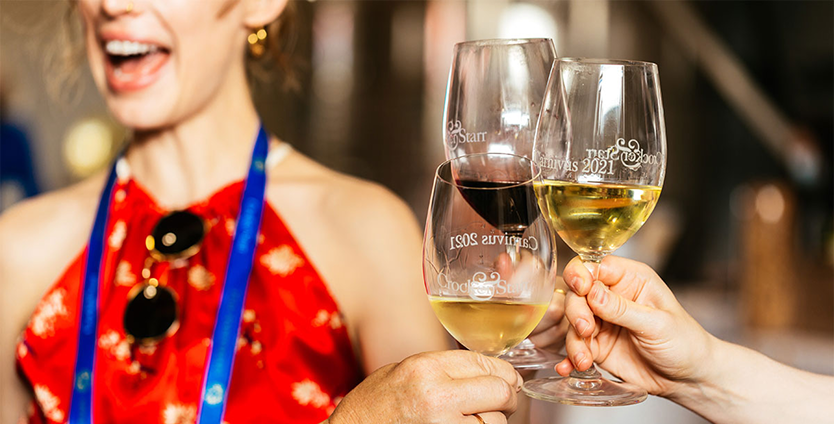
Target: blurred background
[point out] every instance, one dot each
(744, 230)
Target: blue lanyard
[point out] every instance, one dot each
(226, 328)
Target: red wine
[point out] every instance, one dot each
(511, 209)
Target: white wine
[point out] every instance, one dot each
(488, 327)
(596, 219)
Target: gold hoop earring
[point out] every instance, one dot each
(257, 42)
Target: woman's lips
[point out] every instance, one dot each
(133, 65)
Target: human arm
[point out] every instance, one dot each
(38, 239)
(396, 319)
(644, 336)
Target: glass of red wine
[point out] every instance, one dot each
(493, 101)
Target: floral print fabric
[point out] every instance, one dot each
(294, 359)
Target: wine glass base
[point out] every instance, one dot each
(531, 359)
(584, 392)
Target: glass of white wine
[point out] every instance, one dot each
(487, 251)
(493, 101)
(601, 146)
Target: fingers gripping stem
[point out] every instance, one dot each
(592, 264)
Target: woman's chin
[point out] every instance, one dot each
(146, 108)
(142, 117)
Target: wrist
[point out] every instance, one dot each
(701, 385)
(742, 385)
(712, 390)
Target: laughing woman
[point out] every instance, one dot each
(215, 274)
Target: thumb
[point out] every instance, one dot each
(613, 308)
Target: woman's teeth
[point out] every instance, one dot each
(128, 48)
(133, 65)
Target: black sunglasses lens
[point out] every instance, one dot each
(150, 313)
(177, 232)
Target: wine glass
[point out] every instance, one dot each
(487, 251)
(601, 146)
(493, 101)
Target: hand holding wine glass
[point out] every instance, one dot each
(436, 387)
(601, 145)
(643, 335)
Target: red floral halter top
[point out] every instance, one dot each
(294, 358)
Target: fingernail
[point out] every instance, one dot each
(579, 284)
(573, 281)
(600, 296)
(592, 267)
(581, 325)
(578, 359)
(518, 382)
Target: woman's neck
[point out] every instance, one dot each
(191, 160)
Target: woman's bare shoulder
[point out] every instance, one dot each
(40, 236)
(347, 225)
(351, 203)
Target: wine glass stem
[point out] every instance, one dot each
(585, 381)
(588, 379)
(525, 344)
(590, 373)
(592, 264)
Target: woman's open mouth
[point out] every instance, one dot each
(133, 65)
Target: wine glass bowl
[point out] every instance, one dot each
(487, 251)
(494, 94)
(601, 146)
